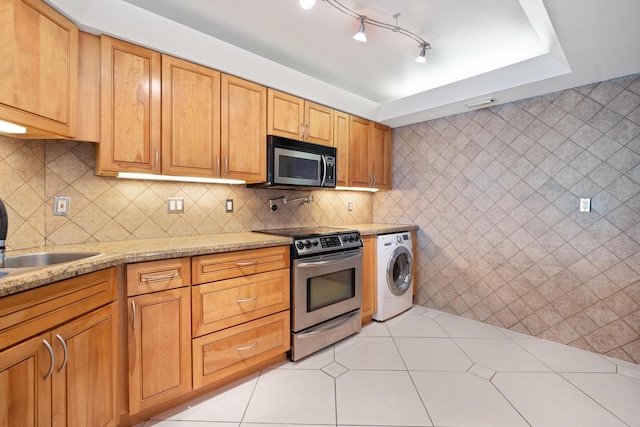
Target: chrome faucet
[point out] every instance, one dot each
(4, 224)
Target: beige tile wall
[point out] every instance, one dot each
(32, 173)
(495, 193)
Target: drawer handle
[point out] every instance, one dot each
(53, 359)
(247, 347)
(161, 277)
(247, 263)
(133, 308)
(248, 299)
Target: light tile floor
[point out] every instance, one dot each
(427, 368)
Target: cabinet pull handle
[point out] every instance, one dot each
(226, 166)
(308, 132)
(247, 347)
(302, 131)
(247, 263)
(161, 277)
(217, 166)
(133, 307)
(157, 160)
(370, 180)
(374, 179)
(66, 352)
(248, 299)
(53, 359)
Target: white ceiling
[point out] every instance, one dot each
(501, 49)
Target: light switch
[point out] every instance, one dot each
(229, 205)
(175, 205)
(585, 205)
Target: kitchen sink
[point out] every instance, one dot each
(44, 259)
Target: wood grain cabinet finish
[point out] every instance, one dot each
(159, 346)
(369, 278)
(221, 266)
(153, 276)
(341, 137)
(370, 154)
(218, 305)
(130, 104)
(222, 354)
(243, 147)
(63, 371)
(359, 172)
(39, 68)
(296, 118)
(380, 156)
(190, 119)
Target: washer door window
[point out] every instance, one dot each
(399, 271)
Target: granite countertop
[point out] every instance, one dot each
(130, 251)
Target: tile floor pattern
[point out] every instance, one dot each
(427, 368)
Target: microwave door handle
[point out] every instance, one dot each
(324, 171)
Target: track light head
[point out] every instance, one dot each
(307, 4)
(422, 59)
(360, 36)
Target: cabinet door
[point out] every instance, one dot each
(380, 155)
(159, 343)
(359, 174)
(25, 386)
(369, 286)
(341, 142)
(318, 124)
(39, 72)
(243, 139)
(190, 119)
(84, 381)
(285, 115)
(130, 109)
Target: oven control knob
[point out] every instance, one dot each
(315, 243)
(300, 245)
(307, 244)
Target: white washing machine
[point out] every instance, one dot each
(395, 282)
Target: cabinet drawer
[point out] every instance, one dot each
(224, 353)
(29, 313)
(226, 303)
(207, 268)
(152, 276)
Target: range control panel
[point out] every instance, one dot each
(325, 244)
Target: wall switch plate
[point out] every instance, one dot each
(228, 205)
(350, 206)
(61, 205)
(175, 205)
(585, 205)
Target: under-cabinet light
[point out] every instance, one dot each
(150, 176)
(11, 128)
(369, 189)
(481, 104)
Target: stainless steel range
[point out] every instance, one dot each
(326, 286)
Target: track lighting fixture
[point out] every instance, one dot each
(360, 36)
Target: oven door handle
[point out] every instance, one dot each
(328, 262)
(337, 325)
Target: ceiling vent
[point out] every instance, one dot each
(480, 104)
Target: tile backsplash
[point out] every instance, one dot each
(32, 173)
(496, 194)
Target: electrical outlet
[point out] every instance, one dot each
(61, 205)
(350, 206)
(175, 205)
(585, 205)
(228, 205)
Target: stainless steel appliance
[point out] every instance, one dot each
(292, 164)
(326, 286)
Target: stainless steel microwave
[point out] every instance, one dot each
(293, 163)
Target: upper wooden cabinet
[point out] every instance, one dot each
(130, 100)
(243, 139)
(341, 142)
(370, 154)
(296, 118)
(190, 119)
(38, 69)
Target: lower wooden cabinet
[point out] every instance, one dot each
(232, 350)
(369, 285)
(66, 377)
(159, 345)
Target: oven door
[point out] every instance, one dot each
(324, 287)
